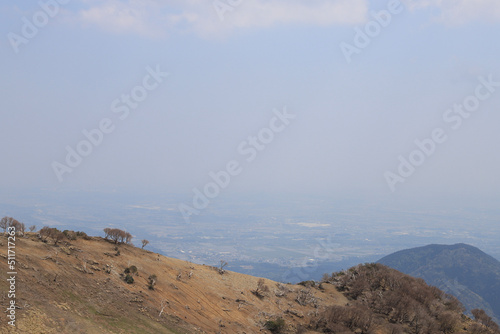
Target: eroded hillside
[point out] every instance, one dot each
(80, 284)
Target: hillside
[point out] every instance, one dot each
(461, 270)
(79, 286)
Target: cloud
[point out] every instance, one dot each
(120, 17)
(266, 13)
(457, 12)
(158, 18)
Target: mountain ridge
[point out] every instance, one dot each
(460, 269)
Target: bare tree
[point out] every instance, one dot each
(114, 234)
(163, 304)
(152, 282)
(53, 233)
(19, 227)
(128, 238)
(325, 278)
(221, 269)
(32, 228)
(4, 223)
(117, 235)
(106, 233)
(122, 235)
(482, 317)
(262, 288)
(282, 290)
(144, 243)
(57, 236)
(44, 233)
(305, 297)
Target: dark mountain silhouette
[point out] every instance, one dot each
(461, 270)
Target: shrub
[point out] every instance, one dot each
(71, 235)
(282, 290)
(44, 233)
(129, 279)
(54, 233)
(275, 326)
(377, 293)
(83, 235)
(483, 318)
(152, 282)
(262, 289)
(117, 235)
(305, 297)
(130, 270)
(221, 269)
(308, 284)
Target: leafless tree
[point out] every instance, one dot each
(53, 233)
(5, 222)
(282, 290)
(163, 304)
(262, 288)
(122, 235)
(128, 238)
(305, 297)
(44, 233)
(57, 236)
(32, 228)
(325, 278)
(221, 269)
(152, 281)
(117, 235)
(482, 317)
(106, 233)
(144, 243)
(114, 234)
(19, 227)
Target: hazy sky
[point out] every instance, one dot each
(331, 93)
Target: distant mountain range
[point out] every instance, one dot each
(461, 270)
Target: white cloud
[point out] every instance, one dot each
(265, 13)
(120, 17)
(456, 12)
(157, 18)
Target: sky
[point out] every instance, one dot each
(382, 98)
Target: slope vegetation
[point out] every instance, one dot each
(461, 270)
(81, 284)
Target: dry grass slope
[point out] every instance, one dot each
(78, 286)
(91, 285)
